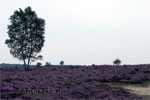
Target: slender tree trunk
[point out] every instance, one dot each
(29, 58)
(30, 53)
(25, 66)
(28, 63)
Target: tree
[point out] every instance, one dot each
(38, 65)
(62, 63)
(117, 62)
(93, 65)
(26, 35)
(47, 64)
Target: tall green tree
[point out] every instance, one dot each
(26, 35)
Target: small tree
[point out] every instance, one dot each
(26, 35)
(48, 64)
(62, 63)
(117, 62)
(93, 64)
(38, 65)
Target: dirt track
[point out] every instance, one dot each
(139, 90)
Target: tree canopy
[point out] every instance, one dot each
(62, 63)
(26, 35)
(117, 62)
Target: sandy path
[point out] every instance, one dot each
(138, 90)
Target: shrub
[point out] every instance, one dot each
(38, 65)
(48, 64)
(117, 62)
(93, 64)
(62, 63)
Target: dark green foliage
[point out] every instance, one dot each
(48, 64)
(26, 35)
(62, 63)
(93, 64)
(117, 62)
(38, 65)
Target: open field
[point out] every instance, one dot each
(105, 82)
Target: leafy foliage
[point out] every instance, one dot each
(48, 64)
(38, 65)
(62, 63)
(26, 35)
(117, 62)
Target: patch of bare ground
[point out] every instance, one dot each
(141, 89)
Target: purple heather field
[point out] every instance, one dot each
(72, 82)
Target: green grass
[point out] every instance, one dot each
(145, 96)
(143, 84)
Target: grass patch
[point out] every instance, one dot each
(143, 84)
(146, 96)
(143, 96)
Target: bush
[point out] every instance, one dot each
(93, 64)
(38, 65)
(117, 62)
(48, 64)
(62, 63)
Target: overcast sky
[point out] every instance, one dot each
(86, 31)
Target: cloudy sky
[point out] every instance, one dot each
(86, 31)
